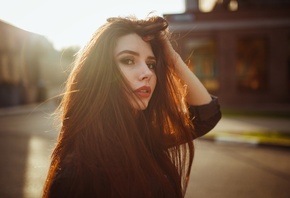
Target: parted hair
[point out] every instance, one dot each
(107, 148)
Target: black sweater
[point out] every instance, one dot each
(204, 118)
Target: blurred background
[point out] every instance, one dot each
(240, 50)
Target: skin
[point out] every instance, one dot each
(197, 93)
(136, 61)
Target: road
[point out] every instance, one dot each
(220, 170)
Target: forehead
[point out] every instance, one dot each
(133, 42)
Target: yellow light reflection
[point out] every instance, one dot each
(36, 166)
(233, 5)
(206, 5)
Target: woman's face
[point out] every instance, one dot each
(137, 63)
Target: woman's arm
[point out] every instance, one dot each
(203, 107)
(197, 93)
(205, 117)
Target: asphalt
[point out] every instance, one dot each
(255, 130)
(241, 157)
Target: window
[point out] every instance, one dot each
(251, 62)
(288, 64)
(203, 62)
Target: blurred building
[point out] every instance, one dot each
(29, 66)
(240, 49)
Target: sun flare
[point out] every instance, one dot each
(67, 23)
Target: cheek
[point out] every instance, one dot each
(127, 74)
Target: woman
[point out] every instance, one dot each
(129, 115)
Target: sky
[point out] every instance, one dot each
(72, 22)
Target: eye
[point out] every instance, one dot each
(127, 61)
(151, 65)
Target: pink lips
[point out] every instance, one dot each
(144, 91)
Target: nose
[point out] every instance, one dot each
(145, 73)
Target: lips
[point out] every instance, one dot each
(144, 91)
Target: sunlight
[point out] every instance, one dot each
(36, 166)
(68, 23)
(206, 5)
(233, 6)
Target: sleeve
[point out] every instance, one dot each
(205, 117)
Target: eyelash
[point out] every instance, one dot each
(126, 61)
(151, 66)
(130, 61)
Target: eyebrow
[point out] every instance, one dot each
(133, 53)
(128, 52)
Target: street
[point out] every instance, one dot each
(224, 170)
(220, 170)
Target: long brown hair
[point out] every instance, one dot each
(111, 150)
